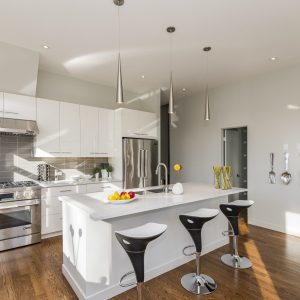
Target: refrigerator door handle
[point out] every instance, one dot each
(141, 162)
(146, 164)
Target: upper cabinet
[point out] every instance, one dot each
(47, 141)
(135, 123)
(69, 129)
(18, 107)
(59, 125)
(97, 131)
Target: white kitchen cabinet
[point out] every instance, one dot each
(97, 131)
(47, 141)
(89, 119)
(106, 131)
(69, 129)
(19, 107)
(51, 206)
(135, 123)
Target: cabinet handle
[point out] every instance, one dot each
(98, 153)
(138, 133)
(65, 191)
(9, 112)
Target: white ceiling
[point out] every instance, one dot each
(82, 35)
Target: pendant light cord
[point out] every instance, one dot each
(171, 56)
(207, 71)
(119, 31)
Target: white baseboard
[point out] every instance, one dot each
(52, 234)
(115, 290)
(271, 226)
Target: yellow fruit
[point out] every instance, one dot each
(177, 167)
(127, 196)
(117, 196)
(111, 197)
(123, 197)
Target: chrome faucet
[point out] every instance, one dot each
(166, 188)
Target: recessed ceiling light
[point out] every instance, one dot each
(184, 89)
(45, 46)
(143, 76)
(274, 58)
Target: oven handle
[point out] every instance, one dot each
(26, 203)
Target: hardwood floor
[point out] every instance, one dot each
(34, 272)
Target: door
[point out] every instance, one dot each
(235, 155)
(133, 156)
(89, 117)
(69, 130)
(19, 107)
(47, 141)
(151, 161)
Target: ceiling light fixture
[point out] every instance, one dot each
(170, 30)
(207, 108)
(184, 89)
(274, 58)
(46, 46)
(119, 96)
(143, 76)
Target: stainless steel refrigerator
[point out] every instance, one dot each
(140, 159)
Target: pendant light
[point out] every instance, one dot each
(119, 96)
(207, 109)
(171, 29)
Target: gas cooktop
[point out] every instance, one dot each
(16, 184)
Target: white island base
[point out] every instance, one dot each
(94, 261)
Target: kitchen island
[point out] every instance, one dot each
(93, 260)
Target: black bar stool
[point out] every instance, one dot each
(231, 211)
(197, 283)
(134, 241)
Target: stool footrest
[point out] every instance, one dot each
(188, 254)
(123, 278)
(228, 233)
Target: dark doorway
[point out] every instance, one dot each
(165, 137)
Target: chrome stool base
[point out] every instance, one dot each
(236, 262)
(199, 285)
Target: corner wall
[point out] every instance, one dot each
(267, 104)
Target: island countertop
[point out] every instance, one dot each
(97, 210)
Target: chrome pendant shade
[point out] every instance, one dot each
(171, 99)
(207, 108)
(119, 95)
(171, 111)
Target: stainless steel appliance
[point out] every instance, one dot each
(20, 214)
(16, 126)
(140, 158)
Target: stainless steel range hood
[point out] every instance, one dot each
(18, 127)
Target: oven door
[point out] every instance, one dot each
(19, 218)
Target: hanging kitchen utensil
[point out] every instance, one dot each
(286, 177)
(272, 175)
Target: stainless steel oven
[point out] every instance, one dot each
(20, 216)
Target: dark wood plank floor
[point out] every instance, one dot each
(34, 272)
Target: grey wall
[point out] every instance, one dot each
(18, 70)
(269, 105)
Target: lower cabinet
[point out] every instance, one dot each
(51, 223)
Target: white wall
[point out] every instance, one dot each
(260, 103)
(18, 69)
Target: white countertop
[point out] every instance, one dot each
(97, 210)
(59, 183)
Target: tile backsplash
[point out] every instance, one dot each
(18, 163)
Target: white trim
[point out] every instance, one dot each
(52, 234)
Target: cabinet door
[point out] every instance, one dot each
(69, 130)
(19, 107)
(89, 117)
(137, 123)
(106, 132)
(47, 141)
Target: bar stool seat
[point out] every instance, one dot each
(197, 283)
(135, 241)
(231, 211)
